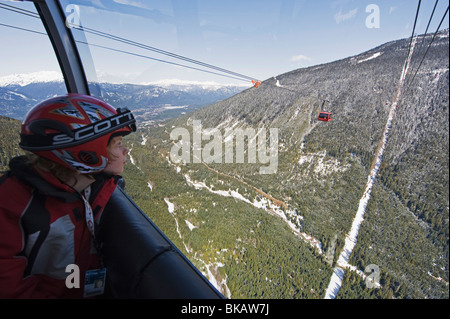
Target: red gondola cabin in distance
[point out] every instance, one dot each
(256, 83)
(325, 116)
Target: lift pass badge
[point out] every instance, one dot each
(94, 283)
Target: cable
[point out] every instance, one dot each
(159, 60)
(428, 25)
(431, 17)
(150, 48)
(19, 10)
(419, 50)
(231, 74)
(414, 28)
(130, 53)
(428, 48)
(23, 29)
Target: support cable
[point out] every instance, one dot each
(227, 73)
(428, 48)
(154, 49)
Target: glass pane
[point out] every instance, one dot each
(141, 42)
(29, 70)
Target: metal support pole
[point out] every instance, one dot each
(53, 18)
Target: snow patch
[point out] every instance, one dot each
(287, 215)
(144, 140)
(322, 165)
(190, 225)
(170, 206)
(373, 56)
(351, 237)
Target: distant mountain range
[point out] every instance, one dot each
(152, 102)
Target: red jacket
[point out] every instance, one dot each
(43, 230)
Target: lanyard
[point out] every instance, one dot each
(88, 211)
(95, 278)
(90, 220)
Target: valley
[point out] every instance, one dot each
(282, 234)
(234, 217)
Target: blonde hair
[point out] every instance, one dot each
(61, 172)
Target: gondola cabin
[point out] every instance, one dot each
(256, 83)
(142, 262)
(325, 116)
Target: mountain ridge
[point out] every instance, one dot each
(20, 92)
(323, 167)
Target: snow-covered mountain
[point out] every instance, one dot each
(19, 92)
(28, 78)
(182, 85)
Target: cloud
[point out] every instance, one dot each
(300, 58)
(339, 17)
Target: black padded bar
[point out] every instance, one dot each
(141, 261)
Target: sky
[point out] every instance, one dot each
(258, 39)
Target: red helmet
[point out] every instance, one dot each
(74, 130)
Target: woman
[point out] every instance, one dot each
(52, 198)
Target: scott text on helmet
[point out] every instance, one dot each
(101, 127)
